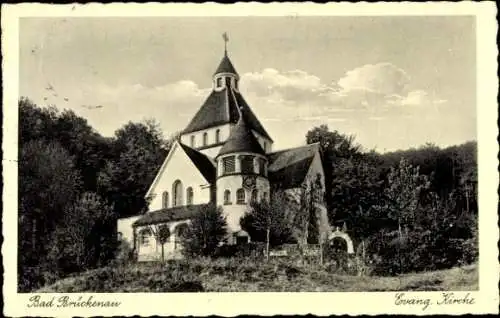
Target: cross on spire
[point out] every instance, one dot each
(226, 39)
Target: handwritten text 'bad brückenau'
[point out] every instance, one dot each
(69, 302)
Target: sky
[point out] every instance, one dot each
(392, 82)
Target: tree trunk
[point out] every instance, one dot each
(321, 251)
(163, 253)
(467, 197)
(399, 246)
(33, 234)
(267, 243)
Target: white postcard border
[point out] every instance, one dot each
(232, 304)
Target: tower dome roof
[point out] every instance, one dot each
(241, 139)
(226, 66)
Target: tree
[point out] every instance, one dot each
(403, 193)
(310, 224)
(270, 218)
(161, 233)
(48, 185)
(80, 241)
(138, 152)
(91, 150)
(402, 197)
(356, 189)
(333, 147)
(206, 231)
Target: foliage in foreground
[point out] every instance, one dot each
(73, 184)
(239, 274)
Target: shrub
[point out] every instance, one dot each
(124, 254)
(207, 231)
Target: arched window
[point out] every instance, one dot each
(219, 82)
(205, 139)
(240, 196)
(164, 203)
(227, 197)
(217, 136)
(177, 191)
(192, 141)
(265, 146)
(254, 195)
(189, 196)
(144, 235)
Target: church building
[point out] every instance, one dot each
(224, 156)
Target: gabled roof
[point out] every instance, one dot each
(291, 176)
(226, 66)
(204, 164)
(241, 139)
(288, 168)
(283, 158)
(170, 214)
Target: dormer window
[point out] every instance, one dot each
(219, 82)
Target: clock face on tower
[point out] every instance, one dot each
(249, 182)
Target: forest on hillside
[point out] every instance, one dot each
(416, 206)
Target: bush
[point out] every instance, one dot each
(206, 232)
(252, 250)
(124, 254)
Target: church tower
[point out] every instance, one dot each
(241, 176)
(211, 126)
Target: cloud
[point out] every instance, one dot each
(372, 87)
(418, 98)
(371, 92)
(381, 78)
(291, 86)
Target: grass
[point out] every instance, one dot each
(237, 275)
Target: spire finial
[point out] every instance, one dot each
(226, 39)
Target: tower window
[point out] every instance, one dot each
(227, 197)
(246, 164)
(177, 190)
(228, 165)
(265, 146)
(217, 136)
(192, 141)
(240, 196)
(165, 200)
(219, 82)
(189, 196)
(205, 139)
